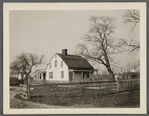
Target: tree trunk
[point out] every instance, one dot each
(111, 74)
(28, 90)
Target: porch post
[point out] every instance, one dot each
(96, 74)
(90, 75)
(42, 75)
(82, 75)
(73, 76)
(38, 75)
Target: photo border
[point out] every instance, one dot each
(75, 6)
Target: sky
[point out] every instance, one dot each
(48, 32)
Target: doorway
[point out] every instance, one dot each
(44, 76)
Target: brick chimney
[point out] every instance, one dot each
(64, 51)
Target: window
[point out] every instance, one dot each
(61, 63)
(62, 74)
(50, 65)
(50, 75)
(55, 63)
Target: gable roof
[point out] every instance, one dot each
(76, 62)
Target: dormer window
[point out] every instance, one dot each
(61, 63)
(55, 63)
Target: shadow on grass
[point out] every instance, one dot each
(129, 99)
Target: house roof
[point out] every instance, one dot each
(76, 62)
(41, 70)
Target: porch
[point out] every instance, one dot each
(81, 75)
(40, 75)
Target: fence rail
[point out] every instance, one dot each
(44, 82)
(125, 85)
(77, 88)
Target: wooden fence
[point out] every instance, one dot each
(77, 88)
(125, 85)
(24, 91)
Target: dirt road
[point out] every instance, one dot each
(19, 104)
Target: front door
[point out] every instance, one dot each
(44, 76)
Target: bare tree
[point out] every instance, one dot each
(132, 45)
(99, 43)
(15, 67)
(25, 62)
(131, 17)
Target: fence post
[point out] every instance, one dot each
(118, 85)
(133, 84)
(56, 90)
(80, 90)
(129, 83)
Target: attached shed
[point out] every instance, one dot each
(39, 75)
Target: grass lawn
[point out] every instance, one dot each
(129, 99)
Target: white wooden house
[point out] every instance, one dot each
(65, 67)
